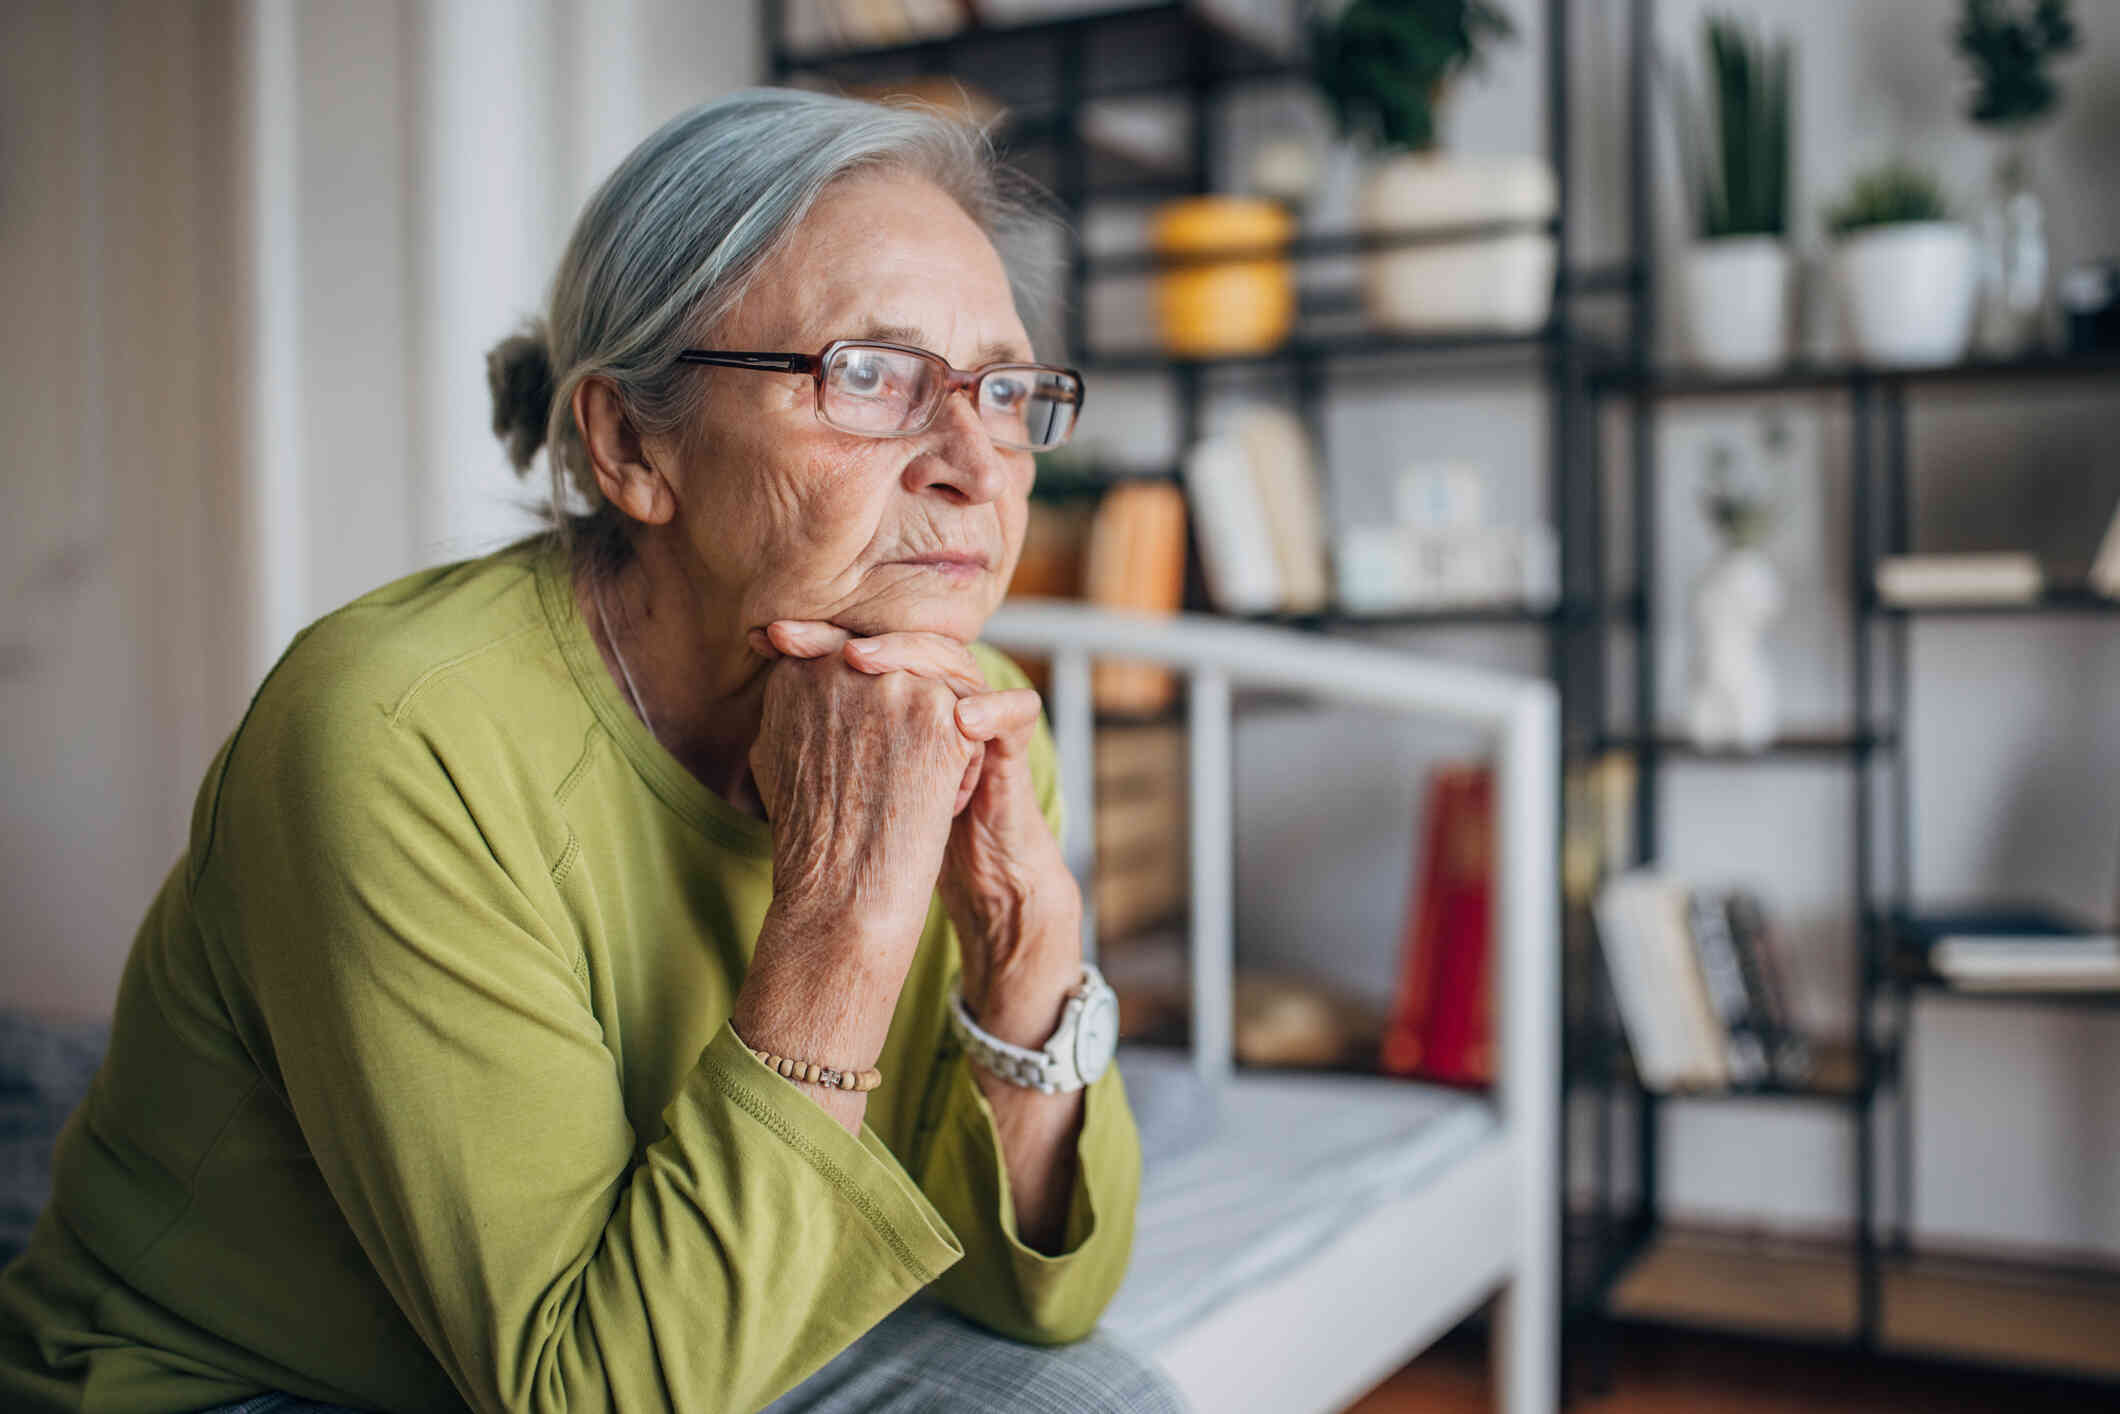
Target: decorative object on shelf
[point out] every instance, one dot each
(1285, 1020)
(2006, 577)
(861, 23)
(1135, 561)
(1904, 271)
(1205, 306)
(2090, 307)
(1733, 139)
(2105, 567)
(2008, 47)
(1441, 551)
(1730, 692)
(1384, 67)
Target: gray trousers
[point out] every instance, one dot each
(924, 1358)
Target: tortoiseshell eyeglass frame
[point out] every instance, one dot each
(953, 378)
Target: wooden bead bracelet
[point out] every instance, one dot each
(831, 1079)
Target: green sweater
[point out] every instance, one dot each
(421, 1090)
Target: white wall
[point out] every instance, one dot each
(253, 255)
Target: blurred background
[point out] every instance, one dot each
(1752, 369)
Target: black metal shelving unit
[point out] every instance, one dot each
(1046, 72)
(1885, 979)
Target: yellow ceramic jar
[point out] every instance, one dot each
(1232, 306)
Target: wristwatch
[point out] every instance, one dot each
(1077, 1052)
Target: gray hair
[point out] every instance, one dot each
(671, 241)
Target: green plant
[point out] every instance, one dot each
(1733, 139)
(2008, 53)
(1888, 195)
(1381, 64)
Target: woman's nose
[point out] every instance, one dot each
(965, 462)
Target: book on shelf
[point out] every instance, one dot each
(1258, 515)
(2015, 949)
(1135, 561)
(1767, 987)
(1914, 581)
(1746, 1050)
(1236, 545)
(1698, 997)
(1440, 1026)
(1286, 482)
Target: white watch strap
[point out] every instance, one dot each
(1037, 1070)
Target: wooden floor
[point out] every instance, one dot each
(1932, 1306)
(1666, 1372)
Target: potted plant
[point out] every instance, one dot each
(1903, 269)
(1384, 67)
(1733, 142)
(2008, 49)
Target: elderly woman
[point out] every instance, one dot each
(620, 971)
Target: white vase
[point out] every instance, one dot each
(1907, 292)
(1730, 702)
(1501, 282)
(1737, 303)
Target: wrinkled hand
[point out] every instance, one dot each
(1004, 880)
(857, 774)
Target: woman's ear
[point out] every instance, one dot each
(625, 471)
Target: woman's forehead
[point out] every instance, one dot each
(896, 258)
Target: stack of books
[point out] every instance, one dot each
(2014, 950)
(1700, 984)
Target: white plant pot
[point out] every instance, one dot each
(1737, 303)
(1502, 283)
(1907, 292)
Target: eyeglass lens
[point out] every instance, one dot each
(882, 392)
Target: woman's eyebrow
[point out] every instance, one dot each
(1001, 351)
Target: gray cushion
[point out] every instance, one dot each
(45, 1069)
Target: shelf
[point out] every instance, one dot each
(1148, 49)
(2034, 1319)
(1907, 964)
(1325, 347)
(1835, 1079)
(1807, 747)
(2069, 599)
(1681, 382)
(1144, 262)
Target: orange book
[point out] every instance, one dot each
(1136, 561)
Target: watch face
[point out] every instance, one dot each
(1096, 1034)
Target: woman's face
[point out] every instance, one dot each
(790, 518)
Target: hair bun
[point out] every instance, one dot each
(519, 375)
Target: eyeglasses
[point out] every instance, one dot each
(875, 389)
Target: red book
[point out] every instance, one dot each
(1441, 1024)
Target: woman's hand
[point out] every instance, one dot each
(858, 775)
(1004, 880)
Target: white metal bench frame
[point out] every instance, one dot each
(1318, 1337)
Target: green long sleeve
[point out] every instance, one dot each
(422, 1093)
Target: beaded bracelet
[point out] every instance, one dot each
(831, 1079)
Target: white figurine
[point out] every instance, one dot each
(1730, 699)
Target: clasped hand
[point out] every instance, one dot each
(1002, 876)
